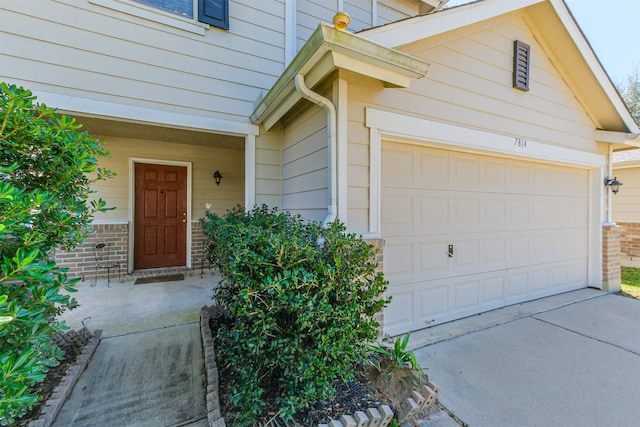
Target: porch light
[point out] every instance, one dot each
(614, 184)
(217, 177)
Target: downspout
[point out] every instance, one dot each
(306, 93)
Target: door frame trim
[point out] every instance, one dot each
(132, 204)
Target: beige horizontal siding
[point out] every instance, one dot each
(360, 13)
(626, 204)
(309, 14)
(269, 168)
(304, 163)
(83, 49)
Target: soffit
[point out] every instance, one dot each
(140, 131)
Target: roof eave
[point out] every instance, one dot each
(619, 140)
(410, 30)
(326, 50)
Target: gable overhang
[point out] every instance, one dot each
(619, 141)
(410, 30)
(557, 31)
(326, 51)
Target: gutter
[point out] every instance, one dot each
(332, 119)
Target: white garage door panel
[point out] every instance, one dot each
(516, 234)
(423, 304)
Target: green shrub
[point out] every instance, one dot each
(47, 168)
(300, 300)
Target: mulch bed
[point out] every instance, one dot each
(72, 343)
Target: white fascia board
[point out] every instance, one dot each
(594, 64)
(627, 140)
(130, 113)
(409, 128)
(418, 28)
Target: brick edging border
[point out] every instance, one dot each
(53, 405)
(214, 415)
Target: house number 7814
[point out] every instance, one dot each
(520, 142)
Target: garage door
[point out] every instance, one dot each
(467, 233)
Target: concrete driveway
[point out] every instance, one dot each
(568, 360)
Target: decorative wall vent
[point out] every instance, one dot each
(521, 65)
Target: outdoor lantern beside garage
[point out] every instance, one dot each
(613, 183)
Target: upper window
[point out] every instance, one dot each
(212, 12)
(181, 7)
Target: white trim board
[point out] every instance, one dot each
(399, 126)
(131, 113)
(250, 171)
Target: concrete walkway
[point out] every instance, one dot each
(152, 378)
(568, 360)
(148, 369)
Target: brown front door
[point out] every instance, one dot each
(160, 236)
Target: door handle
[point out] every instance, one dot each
(184, 221)
(450, 251)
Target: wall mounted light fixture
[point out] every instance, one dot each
(614, 184)
(218, 177)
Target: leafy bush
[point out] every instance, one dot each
(47, 168)
(300, 300)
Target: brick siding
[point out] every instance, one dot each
(629, 243)
(197, 242)
(81, 261)
(611, 258)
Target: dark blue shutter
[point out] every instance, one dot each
(214, 12)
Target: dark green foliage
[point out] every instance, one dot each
(46, 171)
(299, 313)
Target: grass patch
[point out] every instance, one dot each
(630, 282)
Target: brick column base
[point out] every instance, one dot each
(629, 243)
(610, 258)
